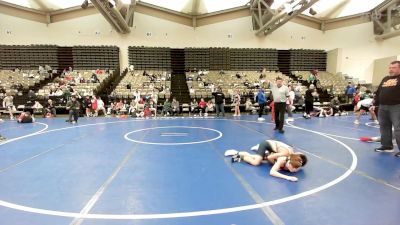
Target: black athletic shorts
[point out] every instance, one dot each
(264, 149)
(364, 108)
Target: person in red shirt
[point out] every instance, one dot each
(202, 106)
(357, 98)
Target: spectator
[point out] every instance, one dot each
(94, 78)
(8, 103)
(236, 103)
(350, 91)
(388, 100)
(309, 101)
(262, 102)
(210, 107)
(100, 107)
(290, 104)
(219, 101)
(194, 106)
(249, 106)
(73, 107)
(87, 104)
(167, 108)
(50, 109)
(202, 106)
(175, 107)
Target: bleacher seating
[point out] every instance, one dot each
(228, 82)
(307, 59)
(26, 78)
(86, 88)
(93, 57)
(336, 83)
(150, 58)
(27, 57)
(144, 85)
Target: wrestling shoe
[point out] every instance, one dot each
(236, 158)
(384, 149)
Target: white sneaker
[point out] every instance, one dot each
(255, 147)
(260, 119)
(290, 119)
(376, 121)
(231, 152)
(205, 114)
(356, 122)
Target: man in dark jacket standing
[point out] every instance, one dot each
(219, 101)
(73, 107)
(388, 100)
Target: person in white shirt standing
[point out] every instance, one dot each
(8, 103)
(100, 107)
(289, 104)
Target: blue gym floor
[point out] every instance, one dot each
(170, 171)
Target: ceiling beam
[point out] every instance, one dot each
(195, 7)
(281, 18)
(221, 16)
(347, 21)
(163, 13)
(42, 6)
(72, 13)
(177, 17)
(22, 12)
(307, 21)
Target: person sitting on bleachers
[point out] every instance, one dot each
(131, 69)
(167, 108)
(37, 108)
(249, 106)
(100, 107)
(87, 104)
(335, 107)
(132, 107)
(246, 83)
(152, 106)
(50, 109)
(175, 106)
(191, 90)
(73, 106)
(210, 107)
(118, 107)
(94, 78)
(37, 105)
(238, 76)
(202, 106)
(194, 106)
(111, 108)
(125, 107)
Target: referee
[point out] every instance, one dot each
(280, 92)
